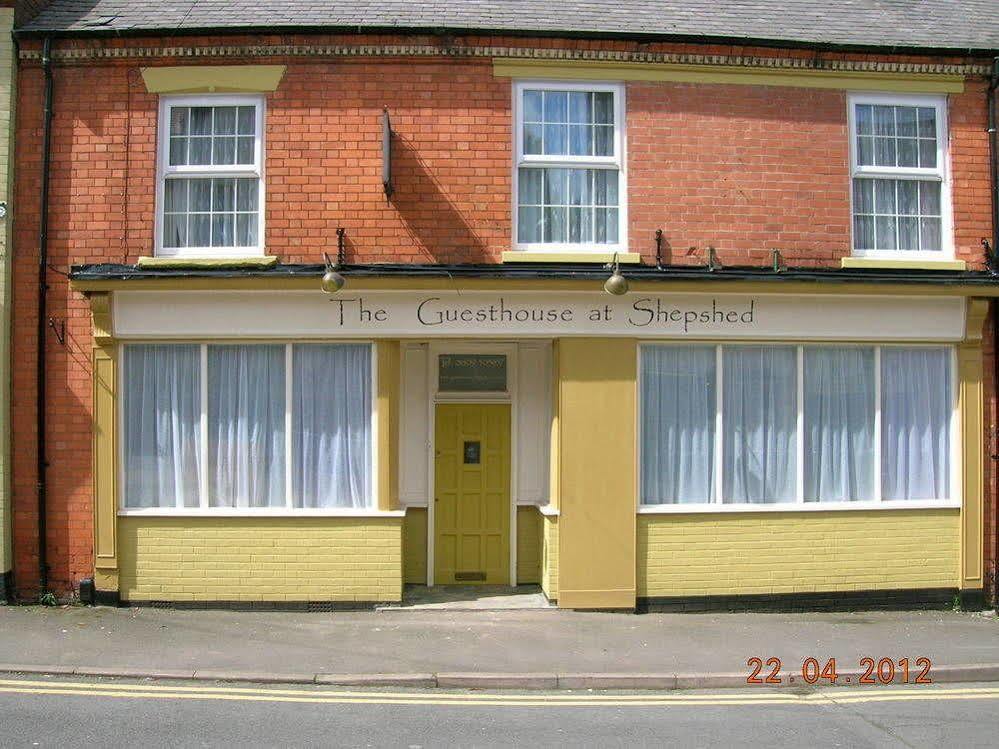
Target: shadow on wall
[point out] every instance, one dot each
(431, 218)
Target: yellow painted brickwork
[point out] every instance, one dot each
(260, 559)
(414, 546)
(528, 545)
(549, 556)
(768, 552)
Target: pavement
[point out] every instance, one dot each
(530, 649)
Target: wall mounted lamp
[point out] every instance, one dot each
(617, 284)
(333, 279)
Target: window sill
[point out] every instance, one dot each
(264, 261)
(901, 264)
(525, 256)
(264, 512)
(692, 509)
(548, 511)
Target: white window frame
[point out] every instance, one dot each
(618, 162)
(941, 173)
(164, 170)
(798, 504)
(203, 508)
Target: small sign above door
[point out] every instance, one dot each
(471, 373)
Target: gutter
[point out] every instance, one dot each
(84, 276)
(104, 32)
(41, 363)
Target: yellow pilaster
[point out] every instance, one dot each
(105, 361)
(970, 378)
(387, 403)
(597, 472)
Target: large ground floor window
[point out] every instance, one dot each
(247, 426)
(768, 424)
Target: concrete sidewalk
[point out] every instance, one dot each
(539, 648)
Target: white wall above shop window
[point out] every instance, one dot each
(526, 314)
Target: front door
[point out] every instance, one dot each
(472, 494)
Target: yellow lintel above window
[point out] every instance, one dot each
(570, 257)
(201, 79)
(857, 80)
(902, 264)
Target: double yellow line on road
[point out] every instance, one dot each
(652, 699)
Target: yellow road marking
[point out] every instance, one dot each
(244, 694)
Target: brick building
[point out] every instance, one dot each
(649, 307)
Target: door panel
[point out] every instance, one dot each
(472, 494)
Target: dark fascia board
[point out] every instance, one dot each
(444, 31)
(125, 273)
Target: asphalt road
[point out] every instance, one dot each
(63, 712)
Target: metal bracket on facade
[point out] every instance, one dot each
(59, 329)
(778, 262)
(991, 261)
(659, 249)
(713, 262)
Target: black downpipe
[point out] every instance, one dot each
(43, 291)
(994, 162)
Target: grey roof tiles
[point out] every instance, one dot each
(941, 24)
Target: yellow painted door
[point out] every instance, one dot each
(472, 495)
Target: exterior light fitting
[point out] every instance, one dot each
(617, 284)
(333, 279)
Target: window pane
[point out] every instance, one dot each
(529, 225)
(580, 140)
(247, 120)
(244, 151)
(225, 121)
(603, 107)
(224, 151)
(865, 151)
(246, 230)
(839, 395)
(865, 119)
(928, 153)
(200, 194)
(199, 230)
(175, 195)
(603, 140)
(908, 197)
(556, 186)
(532, 106)
(884, 120)
(677, 424)
(605, 187)
(199, 151)
(555, 225)
(556, 106)
(530, 186)
(533, 139)
(223, 230)
(246, 426)
(162, 425)
(223, 195)
(884, 233)
(246, 194)
(908, 233)
(760, 416)
(863, 232)
(179, 120)
(905, 119)
(579, 187)
(580, 107)
(916, 404)
(930, 234)
(331, 426)
(175, 230)
(927, 122)
(580, 225)
(884, 152)
(201, 121)
(908, 152)
(178, 151)
(556, 140)
(863, 196)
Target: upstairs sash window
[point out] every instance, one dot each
(211, 176)
(569, 175)
(900, 189)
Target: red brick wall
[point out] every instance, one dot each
(744, 169)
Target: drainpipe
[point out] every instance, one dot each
(43, 288)
(994, 163)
